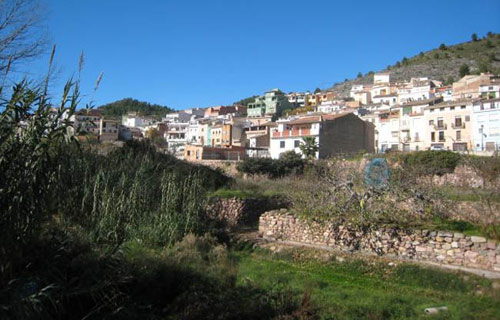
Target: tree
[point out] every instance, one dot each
(359, 75)
(122, 107)
(309, 147)
(21, 35)
(317, 90)
(474, 37)
(404, 61)
(442, 47)
(464, 70)
(421, 54)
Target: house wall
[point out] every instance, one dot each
(108, 130)
(347, 134)
(489, 120)
(448, 114)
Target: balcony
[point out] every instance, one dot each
(458, 125)
(291, 133)
(440, 126)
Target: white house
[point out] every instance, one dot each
(289, 134)
(389, 130)
(486, 125)
(329, 107)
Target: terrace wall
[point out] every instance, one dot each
(420, 245)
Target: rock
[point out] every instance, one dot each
(458, 235)
(445, 234)
(454, 244)
(491, 245)
(420, 249)
(475, 239)
(446, 246)
(471, 254)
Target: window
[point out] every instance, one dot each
(431, 122)
(433, 136)
(282, 144)
(458, 121)
(462, 107)
(188, 153)
(441, 135)
(440, 123)
(459, 135)
(296, 143)
(467, 118)
(441, 109)
(452, 108)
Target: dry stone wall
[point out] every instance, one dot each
(235, 212)
(421, 245)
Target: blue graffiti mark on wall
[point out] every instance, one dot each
(377, 173)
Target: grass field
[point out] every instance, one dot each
(358, 289)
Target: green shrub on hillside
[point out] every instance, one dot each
(431, 162)
(289, 163)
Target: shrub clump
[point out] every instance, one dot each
(289, 163)
(431, 162)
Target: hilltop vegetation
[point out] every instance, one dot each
(443, 63)
(122, 107)
(246, 101)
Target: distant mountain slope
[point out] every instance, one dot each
(121, 107)
(442, 64)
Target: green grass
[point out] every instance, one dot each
(234, 193)
(362, 290)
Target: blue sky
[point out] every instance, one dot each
(199, 53)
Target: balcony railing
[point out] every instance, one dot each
(458, 126)
(292, 133)
(438, 126)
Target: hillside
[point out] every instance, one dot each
(442, 63)
(121, 107)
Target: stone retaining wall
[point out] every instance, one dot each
(234, 212)
(420, 245)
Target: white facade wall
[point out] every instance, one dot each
(280, 145)
(133, 122)
(329, 107)
(486, 125)
(388, 134)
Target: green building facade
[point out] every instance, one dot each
(272, 103)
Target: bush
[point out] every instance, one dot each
(431, 162)
(289, 163)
